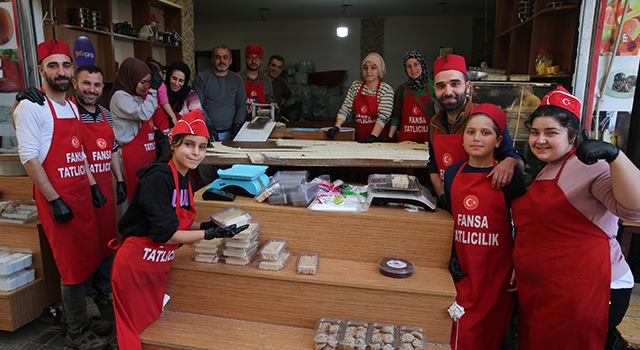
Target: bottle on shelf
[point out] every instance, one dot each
(544, 59)
(154, 27)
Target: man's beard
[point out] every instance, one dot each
(83, 99)
(249, 68)
(221, 67)
(452, 106)
(59, 86)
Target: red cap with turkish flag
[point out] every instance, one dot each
(560, 97)
(494, 112)
(53, 47)
(253, 49)
(192, 124)
(450, 62)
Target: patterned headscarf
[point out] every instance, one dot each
(421, 82)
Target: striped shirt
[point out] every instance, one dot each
(96, 117)
(385, 101)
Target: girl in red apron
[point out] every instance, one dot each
(566, 225)
(481, 262)
(371, 101)
(133, 102)
(160, 217)
(410, 115)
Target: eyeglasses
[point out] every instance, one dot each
(253, 58)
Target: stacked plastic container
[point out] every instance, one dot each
(273, 255)
(294, 188)
(15, 268)
(234, 255)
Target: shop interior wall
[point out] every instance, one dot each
(316, 40)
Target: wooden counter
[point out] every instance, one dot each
(348, 285)
(310, 153)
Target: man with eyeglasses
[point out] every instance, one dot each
(257, 88)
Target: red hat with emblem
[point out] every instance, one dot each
(560, 97)
(53, 47)
(450, 62)
(494, 112)
(192, 124)
(253, 49)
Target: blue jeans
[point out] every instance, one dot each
(100, 281)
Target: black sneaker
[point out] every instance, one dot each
(98, 327)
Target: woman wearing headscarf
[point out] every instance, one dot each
(412, 108)
(133, 101)
(182, 98)
(370, 99)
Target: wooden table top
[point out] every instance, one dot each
(317, 153)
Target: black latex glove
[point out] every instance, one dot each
(332, 132)
(442, 202)
(220, 232)
(234, 130)
(385, 139)
(589, 151)
(213, 133)
(32, 94)
(156, 81)
(99, 199)
(121, 190)
(208, 224)
(61, 211)
(158, 134)
(455, 269)
(370, 139)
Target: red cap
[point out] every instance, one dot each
(192, 124)
(253, 49)
(53, 47)
(494, 112)
(450, 62)
(560, 97)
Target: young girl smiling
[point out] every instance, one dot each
(481, 262)
(159, 219)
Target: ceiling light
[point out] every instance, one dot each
(343, 31)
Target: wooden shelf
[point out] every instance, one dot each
(118, 36)
(87, 29)
(557, 11)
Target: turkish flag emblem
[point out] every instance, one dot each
(470, 202)
(102, 143)
(364, 110)
(447, 159)
(75, 142)
(415, 110)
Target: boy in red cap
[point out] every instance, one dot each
(51, 150)
(452, 89)
(481, 263)
(160, 218)
(257, 88)
(569, 268)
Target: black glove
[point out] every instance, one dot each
(121, 189)
(213, 132)
(370, 139)
(156, 81)
(385, 139)
(158, 135)
(32, 94)
(208, 224)
(589, 151)
(455, 269)
(99, 199)
(332, 132)
(61, 211)
(235, 128)
(220, 232)
(442, 202)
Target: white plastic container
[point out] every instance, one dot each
(17, 279)
(13, 260)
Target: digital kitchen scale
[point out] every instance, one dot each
(251, 178)
(380, 191)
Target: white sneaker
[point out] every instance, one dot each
(92, 309)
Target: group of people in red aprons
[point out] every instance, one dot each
(561, 257)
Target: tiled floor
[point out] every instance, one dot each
(40, 336)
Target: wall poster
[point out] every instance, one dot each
(11, 74)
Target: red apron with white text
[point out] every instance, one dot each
(254, 90)
(161, 120)
(484, 245)
(563, 272)
(75, 243)
(140, 275)
(98, 143)
(448, 149)
(137, 154)
(365, 109)
(415, 122)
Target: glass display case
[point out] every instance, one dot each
(518, 100)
